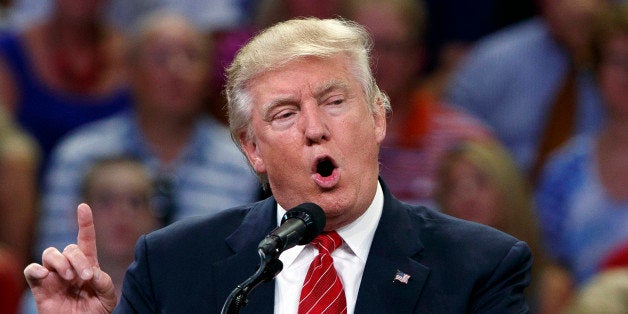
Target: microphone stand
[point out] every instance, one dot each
(269, 267)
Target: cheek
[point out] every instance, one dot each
(276, 157)
(614, 87)
(489, 205)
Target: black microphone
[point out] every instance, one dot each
(299, 225)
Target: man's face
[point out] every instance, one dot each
(470, 194)
(315, 138)
(397, 56)
(170, 72)
(613, 76)
(119, 197)
(570, 21)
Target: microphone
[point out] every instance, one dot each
(299, 225)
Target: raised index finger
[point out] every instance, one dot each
(86, 239)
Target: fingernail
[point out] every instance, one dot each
(69, 274)
(35, 272)
(87, 274)
(96, 273)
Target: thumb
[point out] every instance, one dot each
(104, 289)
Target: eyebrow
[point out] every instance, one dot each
(266, 108)
(334, 84)
(320, 91)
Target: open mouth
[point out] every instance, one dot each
(325, 167)
(325, 172)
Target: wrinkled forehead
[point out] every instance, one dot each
(312, 73)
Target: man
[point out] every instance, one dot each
(196, 167)
(306, 112)
(530, 84)
(422, 127)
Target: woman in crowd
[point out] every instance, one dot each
(582, 197)
(479, 181)
(63, 72)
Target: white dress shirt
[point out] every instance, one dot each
(349, 259)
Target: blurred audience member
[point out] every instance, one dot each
(421, 127)
(606, 293)
(458, 23)
(63, 72)
(582, 197)
(19, 162)
(528, 81)
(480, 182)
(207, 15)
(11, 283)
(22, 14)
(617, 258)
(196, 167)
(269, 12)
(263, 13)
(120, 193)
(4, 5)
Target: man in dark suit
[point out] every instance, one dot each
(304, 109)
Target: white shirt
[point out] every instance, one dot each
(349, 259)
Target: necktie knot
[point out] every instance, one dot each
(327, 242)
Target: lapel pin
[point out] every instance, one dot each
(401, 277)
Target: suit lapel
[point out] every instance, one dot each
(396, 247)
(236, 268)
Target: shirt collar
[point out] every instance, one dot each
(357, 235)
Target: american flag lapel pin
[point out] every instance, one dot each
(401, 277)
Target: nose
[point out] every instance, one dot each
(316, 130)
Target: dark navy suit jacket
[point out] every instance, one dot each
(454, 266)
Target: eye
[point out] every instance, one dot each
(335, 101)
(282, 115)
(335, 104)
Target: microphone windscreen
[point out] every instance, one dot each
(312, 215)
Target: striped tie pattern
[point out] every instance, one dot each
(322, 290)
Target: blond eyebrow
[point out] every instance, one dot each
(334, 84)
(266, 108)
(320, 91)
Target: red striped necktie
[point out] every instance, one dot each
(322, 290)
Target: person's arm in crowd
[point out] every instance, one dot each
(19, 163)
(555, 289)
(8, 88)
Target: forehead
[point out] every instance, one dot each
(119, 174)
(170, 31)
(304, 76)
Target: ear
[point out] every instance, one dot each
(251, 150)
(379, 120)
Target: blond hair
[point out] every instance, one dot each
(516, 215)
(291, 40)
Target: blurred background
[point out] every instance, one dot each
(512, 114)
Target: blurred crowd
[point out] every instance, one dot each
(512, 114)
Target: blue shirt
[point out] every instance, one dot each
(509, 80)
(209, 175)
(581, 223)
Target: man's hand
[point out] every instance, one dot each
(71, 281)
